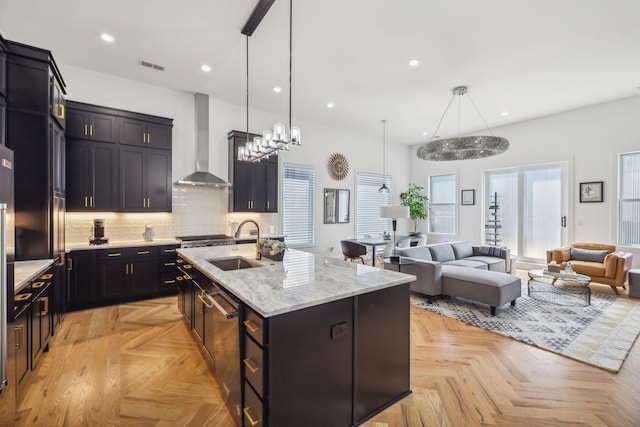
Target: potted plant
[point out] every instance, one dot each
(418, 204)
(273, 249)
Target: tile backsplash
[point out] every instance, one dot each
(196, 210)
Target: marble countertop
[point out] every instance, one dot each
(120, 244)
(301, 280)
(25, 271)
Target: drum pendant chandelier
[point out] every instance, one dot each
(462, 147)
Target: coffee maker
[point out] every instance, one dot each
(98, 233)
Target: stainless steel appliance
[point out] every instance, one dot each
(198, 241)
(7, 258)
(98, 233)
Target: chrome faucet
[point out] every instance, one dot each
(237, 235)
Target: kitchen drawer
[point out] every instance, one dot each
(169, 279)
(135, 252)
(254, 365)
(254, 325)
(253, 411)
(168, 265)
(169, 250)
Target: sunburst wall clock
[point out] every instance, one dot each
(338, 167)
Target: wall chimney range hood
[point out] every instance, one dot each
(202, 176)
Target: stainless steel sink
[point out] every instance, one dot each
(233, 263)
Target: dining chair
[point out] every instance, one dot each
(422, 241)
(353, 251)
(386, 253)
(404, 243)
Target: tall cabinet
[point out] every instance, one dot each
(35, 126)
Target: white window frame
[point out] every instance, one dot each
(433, 203)
(368, 211)
(297, 204)
(631, 241)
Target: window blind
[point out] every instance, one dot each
(298, 190)
(368, 202)
(629, 200)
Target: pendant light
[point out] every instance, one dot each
(384, 188)
(462, 147)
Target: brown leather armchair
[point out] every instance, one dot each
(612, 271)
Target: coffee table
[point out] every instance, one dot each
(400, 262)
(559, 288)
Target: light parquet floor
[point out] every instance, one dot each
(136, 365)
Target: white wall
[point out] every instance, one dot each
(589, 139)
(205, 211)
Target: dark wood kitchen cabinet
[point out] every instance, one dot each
(91, 176)
(41, 316)
(254, 185)
(81, 270)
(143, 133)
(145, 179)
(94, 126)
(3, 69)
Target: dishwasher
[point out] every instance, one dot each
(226, 348)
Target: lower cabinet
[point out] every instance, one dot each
(99, 277)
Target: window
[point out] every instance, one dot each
(298, 191)
(442, 197)
(629, 200)
(368, 202)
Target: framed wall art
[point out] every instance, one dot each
(591, 192)
(468, 197)
(336, 206)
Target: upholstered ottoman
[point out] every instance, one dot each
(489, 287)
(634, 283)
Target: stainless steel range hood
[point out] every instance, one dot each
(202, 176)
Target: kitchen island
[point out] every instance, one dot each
(321, 341)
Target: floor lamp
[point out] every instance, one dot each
(394, 212)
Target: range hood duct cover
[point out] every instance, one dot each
(202, 176)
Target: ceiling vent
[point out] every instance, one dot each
(151, 65)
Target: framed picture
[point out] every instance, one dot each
(468, 197)
(336, 206)
(591, 192)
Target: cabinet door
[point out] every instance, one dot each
(158, 180)
(132, 179)
(158, 136)
(271, 185)
(77, 166)
(82, 285)
(258, 185)
(56, 134)
(132, 132)
(144, 276)
(242, 187)
(103, 173)
(102, 127)
(3, 122)
(77, 124)
(21, 330)
(198, 314)
(3, 72)
(113, 275)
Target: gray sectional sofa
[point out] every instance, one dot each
(479, 273)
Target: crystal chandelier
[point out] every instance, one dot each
(462, 147)
(272, 142)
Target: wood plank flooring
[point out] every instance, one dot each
(136, 365)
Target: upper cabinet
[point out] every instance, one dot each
(148, 134)
(117, 161)
(254, 185)
(3, 70)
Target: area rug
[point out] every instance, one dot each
(600, 334)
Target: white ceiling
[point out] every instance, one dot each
(528, 57)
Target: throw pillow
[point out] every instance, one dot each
(462, 250)
(491, 250)
(588, 255)
(442, 253)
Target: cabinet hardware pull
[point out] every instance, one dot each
(249, 417)
(23, 297)
(168, 251)
(268, 204)
(37, 285)
(208, 304)
(91, 201)
(85, 201)
(46, 276)
(250, 326)
(85, 130)
(148, 202)
(187, 266)
(70, 264)
(180, 261)
(18, 335)
(248, 363)
(169, 264)
(115, 254)
(126, 269)
(179, 278)
(169, 282)
(44, 301)
(91, 130)
(187, 277)
(61, 111)
(143, 252)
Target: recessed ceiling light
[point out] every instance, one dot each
(413, 63)
(107, 37)
(505, 113)
(425, 133)
(206, 68)
(277, 89)
(330, 105)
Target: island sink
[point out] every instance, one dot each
(233, 263)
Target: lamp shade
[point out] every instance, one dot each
(394, 211)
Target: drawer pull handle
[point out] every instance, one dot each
(37, 285)
(143, 252)
(46, 276)
(169, 264)
(248, 363)
(179, 278)
(169, 282)
(249, 417)
(23, 297)
(168, 251)
(115, 254)
(18, 335)
(251, 326)
(187, 266)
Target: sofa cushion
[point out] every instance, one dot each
(493, 263)
(588, 255)
(442, 253)
(462, 250)
(490, 250)
(467, 263)
(418, 252)
(591, 269)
